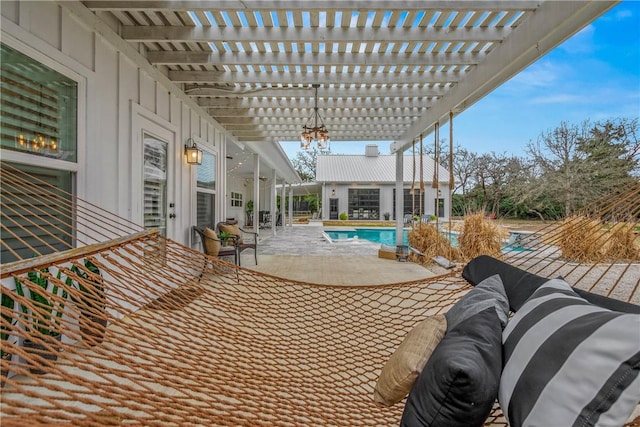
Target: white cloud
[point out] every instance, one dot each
(540, 74)
(556, 98)
(623, 14)
(581, 43)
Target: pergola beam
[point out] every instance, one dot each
(325, 93)
(208, 5)
(214, 103)
(326, 114)
(311, 34)
(304, 78)
(313, 59)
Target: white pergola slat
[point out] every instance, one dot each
(387, 70)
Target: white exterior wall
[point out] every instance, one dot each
(386, 198)
(238, 185)
(119, 93)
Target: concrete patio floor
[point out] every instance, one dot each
(301, 253)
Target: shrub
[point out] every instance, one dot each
(426, 238)
(344, 216)
(584, 239)
(480, 237)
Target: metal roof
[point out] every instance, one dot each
(388, 70)
(379, 169)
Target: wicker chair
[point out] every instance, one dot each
(222, 251)
(246, 239)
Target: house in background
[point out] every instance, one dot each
(364, 186)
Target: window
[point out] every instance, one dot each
(38, 117)
(206, 192)
(39, 108)
(409, 201)
(33, 224)
(364, 203)
(236, 199)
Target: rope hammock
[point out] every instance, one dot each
(155, 333)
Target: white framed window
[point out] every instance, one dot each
(206, 189)
(39, 122)
(236, 199)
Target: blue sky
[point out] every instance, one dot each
(594, 75)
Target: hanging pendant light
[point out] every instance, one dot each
(317, 133)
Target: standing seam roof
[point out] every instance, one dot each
(381, 168)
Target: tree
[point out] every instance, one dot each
(305, 164)
(557, 157)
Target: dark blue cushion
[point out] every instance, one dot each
(459, 384)
(520, 285)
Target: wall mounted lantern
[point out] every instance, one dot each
(193, 153)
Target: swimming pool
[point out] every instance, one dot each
(385, 236)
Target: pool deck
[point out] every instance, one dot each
(301, 253)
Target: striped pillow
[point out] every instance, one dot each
(568, 362)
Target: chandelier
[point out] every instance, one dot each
(317, 133)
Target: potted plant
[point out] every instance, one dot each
(5, 332)
(225, 238)
(344, 216)
(387, 215)
(91, 302)
(249, 210)
(42, 323)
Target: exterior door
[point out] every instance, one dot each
(333, 208)
(155, 205)
(439, 207)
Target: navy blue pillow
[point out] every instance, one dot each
(520, 285)
(459, 384)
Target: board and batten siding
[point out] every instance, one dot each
(118, 84)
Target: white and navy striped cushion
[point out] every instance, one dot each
(568, 362)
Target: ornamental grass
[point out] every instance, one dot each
(480, 236)
(426, 238)
(584, 239)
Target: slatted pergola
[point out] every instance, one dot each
(386, 70)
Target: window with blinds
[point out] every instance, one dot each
(206, 192)
(155, 183)
(38, 116)
(33, 222)
(39, 108)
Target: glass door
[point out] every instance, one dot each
(155, 183)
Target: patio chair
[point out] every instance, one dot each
(246, 239)
(265, 222)
(213, 246)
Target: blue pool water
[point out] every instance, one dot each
(387, 236)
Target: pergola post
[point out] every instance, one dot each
(256, 192)
(399, 197)
(290, 206)
(273, 205)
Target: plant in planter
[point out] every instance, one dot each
(387, 215)
(249, 209)
(41, 321)
(8, 305)
(226, 238)
(344, 216)
(91, 302)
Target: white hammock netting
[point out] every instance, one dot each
(152, 332)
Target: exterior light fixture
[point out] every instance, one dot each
(317, 133)
(193, 153)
